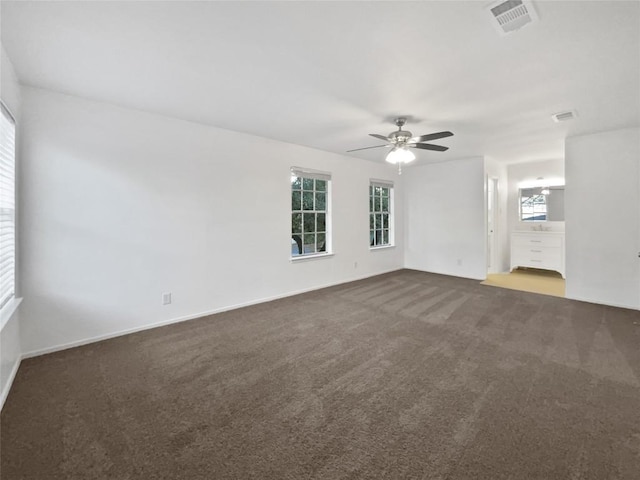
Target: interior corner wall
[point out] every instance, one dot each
(10, 344)
(602, 211)
(120, 206)
(445, 227)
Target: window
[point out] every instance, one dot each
(542, 204)
(380, 208)
(7, 206)
(533, 205)
(310, 220)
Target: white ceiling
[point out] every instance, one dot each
(325, 74)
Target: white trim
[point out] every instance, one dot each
(309, 256)
(149, 326)
(381, 247)
(12, 376)
(381, 183)
(13, 117)
(8, 310)
(310, 173)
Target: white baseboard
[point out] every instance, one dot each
(610, 304)
(7, 387)
(98, 338)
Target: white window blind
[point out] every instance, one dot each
(7, 206)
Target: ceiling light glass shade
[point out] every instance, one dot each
(400, 155)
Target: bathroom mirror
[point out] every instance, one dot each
(542, 204)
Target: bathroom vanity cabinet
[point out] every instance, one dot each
(544, 250)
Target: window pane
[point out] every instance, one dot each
(372, 222)
(296, 202)
(371, 204)
(533, 207)
(378, 221)
(320, 243)
(309, 222)
(385, 220)
(371, 238)
(320, 201)
(296, 245)
(378, 237)
(378, 191)
(376, 204)
(385, 204)
(385, 237)
(321, 226)
(385, 192)
(307, 200)
(296, 184)
(321, 185)
(370, 189)
(307, 183)
(296, 223)
(309, 243)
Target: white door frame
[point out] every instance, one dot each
(493, 225)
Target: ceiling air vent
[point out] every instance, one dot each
(511, 15)
(564, 116)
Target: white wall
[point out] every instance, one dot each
(445, 218)
(518, 173)
(120, 206)
(602, 206)
(10, 352)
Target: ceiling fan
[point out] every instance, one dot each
(401, 141)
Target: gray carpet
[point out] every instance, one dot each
(407, 375)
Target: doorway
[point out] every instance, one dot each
(493, 264)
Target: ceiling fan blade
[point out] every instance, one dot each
(430, 136)
(428, 146)
(381, 137)
(367, 148)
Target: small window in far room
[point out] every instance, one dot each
(380, 214)
(310, 213)
(533, 205)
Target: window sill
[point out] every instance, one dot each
(310, 257)
(8, 310)
(381, 247)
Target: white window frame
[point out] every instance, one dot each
(373, 183)
(315, 175)
(7, 208)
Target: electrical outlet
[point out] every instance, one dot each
(166, 298)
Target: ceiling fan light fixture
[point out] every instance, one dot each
(400, 155)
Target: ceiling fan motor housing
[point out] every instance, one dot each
(401, 136)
